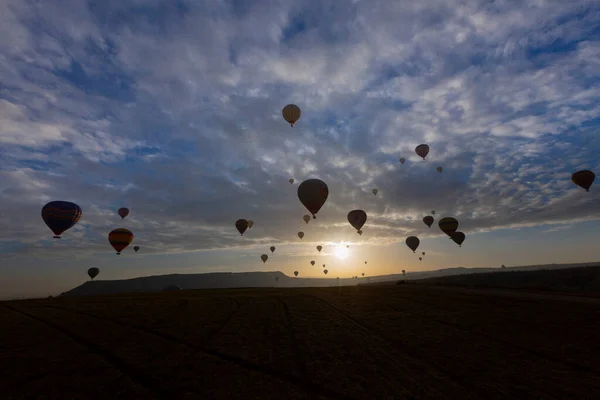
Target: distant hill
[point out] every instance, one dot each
(267, 279)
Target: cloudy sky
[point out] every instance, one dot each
(173, 109)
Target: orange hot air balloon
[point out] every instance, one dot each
(120, 238)
(123, 212)
(357, 219)
(312, 194)
(584, 179)
(264, 258)
(241, 225)
(291, 113)
(428, 220)
(422, 150)
(413, 242)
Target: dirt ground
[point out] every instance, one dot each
(380, 342)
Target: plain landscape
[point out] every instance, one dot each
(347, 342)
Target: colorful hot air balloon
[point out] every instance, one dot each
(325, 271)
(120, 238)
(312, 194)
(93, 272)
(319, 247)
(272, 248)
(402, 160)
(448, 225)
(250, 224)
(123, 212)
(428, 220)
(458, 238)
(375, 191)
(136, 248)
(60, 216)
(241, 225)
(357, 219)
(300, 235)
(584, 179)
(413, 242)
(291, 180)
(264, 258)
(295, 273)
(312, 263)
(306, 218)
(422, 150)
(291, 113)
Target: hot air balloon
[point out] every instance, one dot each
(432, 212)
(448, 225)
(402, 160)
(440, 169)
(422, 150)
(413, 242)
(136, 248)
(272, 248)
(420, 258)
(120, 238)
(584, 179)
(250, 224)
(458, 238)
(323, 265)
(312, 194)
(291, 181)
(312, 263)
(319, 247)
(363, 274)
(241, 225)
(357, 219)
(93, 272)
(300, 235)
(423, 253)
(123, 212)
(306, 218)
(375, 191)
(428, 220)
(295, 273)
(403, 272)
(365, 262)
(264, 258)
(325, 271)
(291, 113)
(60, 216)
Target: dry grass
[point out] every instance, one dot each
(388, 342)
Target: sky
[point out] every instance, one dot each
(173, 109)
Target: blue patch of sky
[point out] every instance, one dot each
(296, 26)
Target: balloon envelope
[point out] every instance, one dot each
(250, 224)
(241, 225)
(306, 218)
(312, 263)
(584, 179)
(312, 194)
(440, 169)
(428, 220)
(448, 225)
(300, 235)
(60, 216)
(120, 238)
(319, 248)
(422, 150)
(136, 248)
(375, 191)
(412, 242)
(295, 273)
(123, 212)
(291, 113)
(264, 258)
(325, 271)
(93, 272)
(357, 218)
(402, 160)
(458, 238)
(272, 248)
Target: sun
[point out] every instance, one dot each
(341, 252)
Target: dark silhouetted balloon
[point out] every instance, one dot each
(312, 194)
(295, 273)
(123, 212)
(458, 238)
(319, 248)
(357, 219)
(312, 263)
(413, 242)
(584, 179)
(422, 150)
(120, 238)
(448, 225)
(93, 272)
(241, 225)
(428, 220)
(60, 216)
(291, 113)
(272, 248)
(264, 258)
(136, 248)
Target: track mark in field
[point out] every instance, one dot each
(141, 379)
(210, 336)
(300, 363)
(307, 386)
(407, 351)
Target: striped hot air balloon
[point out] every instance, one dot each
(120, 238)
(60, 216)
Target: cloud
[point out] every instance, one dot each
(174, 110)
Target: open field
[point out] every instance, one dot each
(386, 342)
